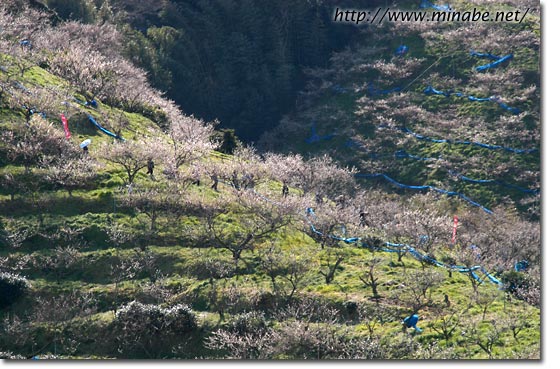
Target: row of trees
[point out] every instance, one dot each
(259, 216)
(308, 327)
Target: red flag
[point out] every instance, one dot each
(65, 125)
(455, 222)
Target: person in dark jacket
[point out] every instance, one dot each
(285, 190)
(214, 179)
(151, 167)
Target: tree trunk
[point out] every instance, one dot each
(236, 256)
(329, 277)
(374, 289)
(153, 218)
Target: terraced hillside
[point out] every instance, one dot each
(267, 255)
(433, 113)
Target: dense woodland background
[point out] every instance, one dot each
(254, 113)
(240, 62)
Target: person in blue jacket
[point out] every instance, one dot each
(410, 322)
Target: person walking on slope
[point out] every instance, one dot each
(151, 166)
(363, 218)
(285, 189)
(196, 177)
(214, 179)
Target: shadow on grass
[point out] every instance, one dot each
(57, 204)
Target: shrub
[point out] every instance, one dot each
(180, 319)
(522, 286)
(228, 141)
(513, 280)
(12, 287)
(153, 318)
(250, 322)
(150, 330)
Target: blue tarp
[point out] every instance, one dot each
(521, 265)
(348, 240)
(493, 181)
(33, 111)
(316, 137)
(401, 50)
(26, 43)
(491, 277)
(485, 55)
(22, 87)
(92, 103)
(494, 63)
(402, 154)
(339, 89)
(351, 143)
(404, 248)
(425, 4)
(479, 144)
(392, 247)
(372, 90)
(429, 90)
(425, 187)
(104, 130)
